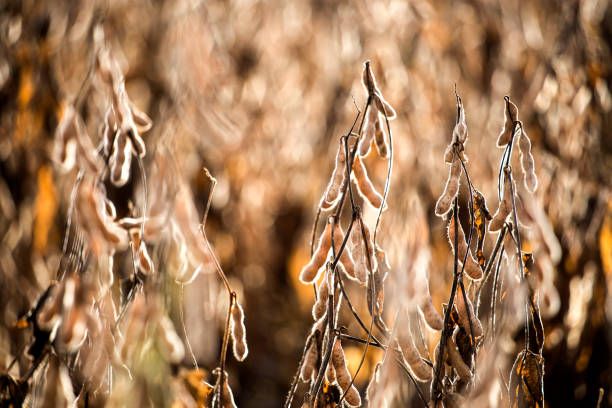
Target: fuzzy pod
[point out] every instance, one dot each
(120, 159)
(330, 374)
(93, 212)
(320, 306)
(238, 332)
(428, 311)
(411, 354)
(451, 189)
(332, 193)
(171, 343)
(141, 256)
(369, 84)
(510, 118)
(472, 268)
(310, 272)
(142, 121)
(505, 205)
(367, 79)
(380, 137)
(227, 397)
(368, 131)
(460, 133)
(360, 254)
(140, 149)
(365, 185)
(383, 106)
(109, 130)
(456, 360)
(343, 376)
(527, 162)
(345, 257)
(145, 263)
(310, 362)
(449, 154)
(464, 321)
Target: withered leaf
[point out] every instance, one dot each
(527, 381)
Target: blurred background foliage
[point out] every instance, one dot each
(259, 93)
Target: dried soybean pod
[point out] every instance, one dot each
(141, 119)
(120, 159)
(369, 129)
(345, 258)
(449, 154)
(343, 376)
(361, 272)
(471, 265)
(227, 397)
(383, 106)
(428, 311)
(139, 146)
(109, 208)
(238, 332)
(411, 354)
(527, 163)
(332, 193)
(451, 189)
(464, 321)
(145, 263)
(320, 307)
(510, 118)
(330, 374)
(310, 271)
(310, 361)
(93, 206)
(369, 84)
(364, 184)
(505, 205)
(460, 133)
(465, 374)
(382, 146)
